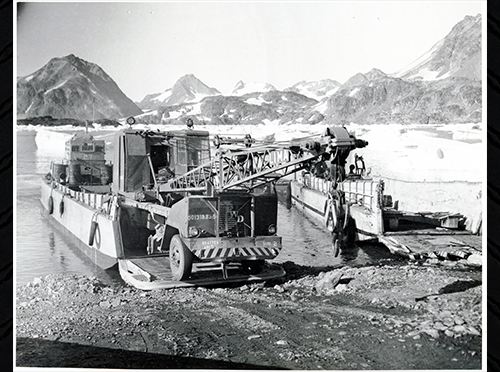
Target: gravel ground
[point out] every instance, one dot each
(399, 315)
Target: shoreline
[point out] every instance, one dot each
(408, 315)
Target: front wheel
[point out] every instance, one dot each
(181, 259)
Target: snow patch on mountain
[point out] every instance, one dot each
(242, 88)
(315, 89)
(255, 101)
(56, 87)
(354, 91)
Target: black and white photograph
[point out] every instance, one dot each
(250, 185)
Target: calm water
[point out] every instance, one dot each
(42, 249)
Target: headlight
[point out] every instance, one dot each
(271, 229)
(193, 231)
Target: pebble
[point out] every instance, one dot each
(459, 321)
(431, 332)
(449, 333)
(459, 329)
(475, 259)
(106, 304)
(448, 322)
(439, 326)
(341, 287)
(474, 331)
(327, 282)
(279, 288)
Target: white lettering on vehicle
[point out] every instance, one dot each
(197, 217)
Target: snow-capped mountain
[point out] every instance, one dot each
(187, 89)
(242, 88)
(457, 55)
(443, 86)
(70, 87)
(315, 89)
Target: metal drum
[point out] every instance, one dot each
(59, 172)
(75, 173)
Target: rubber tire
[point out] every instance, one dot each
(61, 207)
(288, 197)
(93, 228)
(329, 222)
(51, 205)
(181, 259)
(252, 266)
(336, 244)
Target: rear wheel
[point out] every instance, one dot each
(181, 259)
(252, 267)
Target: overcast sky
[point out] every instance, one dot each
(147, 46)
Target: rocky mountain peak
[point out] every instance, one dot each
(69, 87)
(457, 55)
(188, 88)
(375, 74)
(358, 79)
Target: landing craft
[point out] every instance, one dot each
(170, 213)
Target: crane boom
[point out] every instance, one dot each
(250, 167)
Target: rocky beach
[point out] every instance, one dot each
(398, 314)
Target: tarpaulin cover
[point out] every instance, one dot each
(137, 172)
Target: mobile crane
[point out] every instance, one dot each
(176, 198)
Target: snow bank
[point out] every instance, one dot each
(418, 155)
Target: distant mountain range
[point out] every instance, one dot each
(442, 86)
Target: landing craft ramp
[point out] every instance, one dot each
(431, 235)
(153, 272)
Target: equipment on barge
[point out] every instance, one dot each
(171, 213)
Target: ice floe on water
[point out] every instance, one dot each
(438, 153)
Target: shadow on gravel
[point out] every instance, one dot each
(456, 286)
(460, 286)
(294, 271)
(45, 353)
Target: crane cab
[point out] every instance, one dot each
(143, 158)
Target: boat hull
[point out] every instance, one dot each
(75, 213)
(312, 200)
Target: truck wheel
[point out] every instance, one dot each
(252, 267)
(181, 259)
